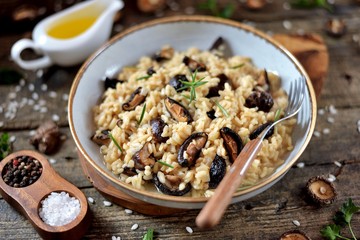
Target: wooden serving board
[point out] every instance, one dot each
(118, 197)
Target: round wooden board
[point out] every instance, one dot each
(121, 198)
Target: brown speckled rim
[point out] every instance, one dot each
(258, 187)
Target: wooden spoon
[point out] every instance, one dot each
(27, 200)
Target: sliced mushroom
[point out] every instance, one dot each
(217, 45)
(150, 71)
(177, 111)
(143, 158)
(232, 143)
(157, 128)
(191, 148)
(136, 98)
(335, 27)
(164, 54)
(264, 81)
(130, 171)
(260, 129)
(217, 171)
(194, 65)
(101, 138)
(214, 91)
(170, 190)
(260, 99)
(211, 114)
(176, 83)
(111, 82)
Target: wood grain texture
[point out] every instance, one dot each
(265, 216)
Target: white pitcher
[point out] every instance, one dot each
(68, 37)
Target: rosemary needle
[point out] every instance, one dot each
(226, 114)
(115, 142)
(142, 114)
(166, 164)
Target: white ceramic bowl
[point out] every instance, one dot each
(183, 32)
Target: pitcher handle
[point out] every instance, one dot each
(35, 64)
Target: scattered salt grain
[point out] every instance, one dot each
(317, 134)
(337, 163)
(18, 88)
(43, 109)
(36, 107)
(31, 87)
(52, 160)
(358, 122)
(115, 238)
(1, 124)
(91, 200)
(65, 97)
(12, 95)
(189, 230)
(35, 96)
(2, 110)
(39, 73)
(356, 38)
(12, 139)
(296, 223)
(359, 129)
(134, 227)
(321, 111)
(326, 131)
(287, 24)
(331, 178)
(59, 209)
(42, 102)
(22, 82)
(43, 87)
(128, 211)
(107, 203)
(32, 133)
(55, 117)
(300, 165)
(52, 94)
(332, 109)
(31, 102)
(330, 120)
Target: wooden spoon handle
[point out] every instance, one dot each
(214, 209)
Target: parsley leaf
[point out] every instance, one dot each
(5, 146)
(212, 6)
(348, 209)
(331, 231)
(149, 235)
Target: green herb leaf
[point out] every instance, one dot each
(238, 66)
(309, 4)
(215, 10)
(186, 96)
(143, 77)
(142, 114)
(166, 164)
(5, 145)
(331, 232)
(226, 114)
(116, 143)
(228, 11)
(9, 76)
(277, 115)
(192, 85)
(348, 209)
(149, 235)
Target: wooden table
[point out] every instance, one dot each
(265, 216)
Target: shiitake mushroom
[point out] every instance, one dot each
(260, 129)
(164, 54)
(170, 190)
(211, 114)
(214, 91)
(190, 150)
(136, 98)
(111, 82)
(232, 143)
(194, 65)
(143, 158)
(101, 138)
(177, 111)
(321, 190)
(219, 42)
(294, 235)
(260, 99)
(217, 171)
(176, 83)
(157, 128)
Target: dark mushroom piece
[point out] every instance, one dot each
(260, 129)
(177, 111)
(321, 190)
(214, 91)
(232, 143)
(157, 128)
(47, 137)
(255, 4)
(294, 235)
(219, 42)
(164, 54)
(111, 82)
(101, 138)
(176, 83)
(335, 27)
(217, 171)
(136, 98)
(211, 114)
(263, 80)
(130, 171)
(260, 99)
(194, 65)
(192, 148)
(170, 190)
(143, 158)
(150, 71)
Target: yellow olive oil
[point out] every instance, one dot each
(70, 28)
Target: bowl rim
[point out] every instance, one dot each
(193, 18)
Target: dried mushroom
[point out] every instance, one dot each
(211, 114)
(194, 65)
(129, 171)
(190, 150)
(111, 82)
(150, 71)
(232, 143)
(165, 53)
(335, 27)
(168, 189)
(143, 158)
(101, 137)
(321, 190)
(177, 111)
(260, 129)
(157, 128)
(136, 98)
(294, 235)
(255, 4)
(149, 6)
(217, 45)
(263, 80)
(260, 99)
(47, 138)
(176, 82)
(217, 171)
(214, 91)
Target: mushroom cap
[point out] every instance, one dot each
(294, 235)
(321, 190)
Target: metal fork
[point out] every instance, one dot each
(214, 209)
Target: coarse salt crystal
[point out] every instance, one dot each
(128, 211)
(317, 134)
(65, 97)
(287, 24)
(36, 107)
(91, 200)
(359, 129)
(332, 109)
(358, 122)
(326, 131)
(331, 178)
(134, 227)
(189, 230)
(12, 95)
(39, 73)
(107, 203)
(1, 109)
(43, 87)
(115, 238)
(30, 102)
(18, 88)
(337, 163)
(321, 111)
(52, 94)
(35, 96)
(296, 223)
(42, 102)
(1, 123)
(55, 117)
(330, 119)
(12, 139)
(31, 87)
(52, 160)
(355, 38)
(300, 165)
(32, 133)
(43, 109)
(22, 82)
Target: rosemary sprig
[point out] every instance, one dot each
(143, 77)
(238, 66)
(165, 164)
(223, 110)
(277, 115)
(212, 6)
(192, 85)
(142, 114)
(116, 143)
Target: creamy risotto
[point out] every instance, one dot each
(177, 120)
